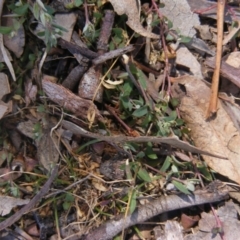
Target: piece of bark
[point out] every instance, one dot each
(227, 71)
(74, 77)
(108, 20)
(73, 48)
(156, 207)
(89, 87)
(69, 101)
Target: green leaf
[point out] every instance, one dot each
(143, 175)
(167, 163)
(142, 79)
(205, 171)
(66, 205)
(78, 3)
(125, 101)
(174, 169)
(133, 201)
(182, 188)
(139, 102)
(69, 197)
(169, 38)
(118, 33)
(185, 39)
(172, 117)
(36, 11)
(152, 156)
(127, 88)
(14, 191)
(141, 154)
(6, 30)
(190, 186)
(41, 108)
(150, 153)
(174, 102)
(22, 10)
(141, 111)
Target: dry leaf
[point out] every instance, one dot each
(183, 19)
(5, 108)
(227, 215)
(218, 136)
(99, 185)
(16, 42)
(130, 8)
(66, 21)
(8, 203)
(48, 150)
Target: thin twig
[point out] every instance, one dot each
(212, 108)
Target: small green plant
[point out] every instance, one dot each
(43, 15)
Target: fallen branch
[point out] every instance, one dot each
(156, 207)
(173, 140)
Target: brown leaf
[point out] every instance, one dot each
(217, 136)
(48, 150)
(16, 42)
(8, 203)
(130, 8)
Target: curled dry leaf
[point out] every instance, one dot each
(8, 203)
(130, 8)
(218, 136)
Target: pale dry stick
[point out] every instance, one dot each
(212, 108)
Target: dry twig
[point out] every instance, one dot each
(212, 109)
